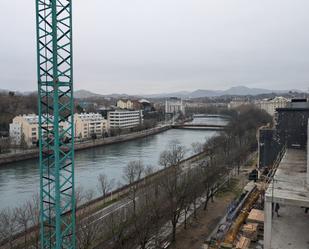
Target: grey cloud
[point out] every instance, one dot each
(138, 46)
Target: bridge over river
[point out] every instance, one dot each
(205, 122)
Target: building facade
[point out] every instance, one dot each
(124, 119)
(174, 105)
(292, 123)
(125, 104)
(24, 129)
(237, 103)
(87, 125)
(270, 105)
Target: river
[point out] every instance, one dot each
(20, 181)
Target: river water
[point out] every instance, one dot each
(20, 181)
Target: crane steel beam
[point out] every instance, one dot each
(56, 105)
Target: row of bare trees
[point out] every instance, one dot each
(20, 220)
(154, 206)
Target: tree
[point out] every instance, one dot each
(194, 190)
(5, 145)
(173, 156)
(105, 185)
(116, 224)
(132, 173)
(145, 222)
(88, 231)
(23, 143)
(8, 226)
(197, 147)
(34, 211)
(23, 217)
(88, 196)
(171, 183)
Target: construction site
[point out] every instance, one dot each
(272, 212)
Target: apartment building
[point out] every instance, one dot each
(125, 119)
(174, 105)
(25, 129)
(237, 103)
(87, 125)
(270, 105)
(125, 104)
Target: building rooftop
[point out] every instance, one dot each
(291, 229)
(290, 190)
(90, 116)
(290, 179)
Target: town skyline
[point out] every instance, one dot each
(234, 90)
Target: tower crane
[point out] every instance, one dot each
(56, 137)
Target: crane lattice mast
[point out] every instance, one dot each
(56, 132)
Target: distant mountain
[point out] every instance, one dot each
(200, 93)
(243, 90)
(237, 90)
(83, 94)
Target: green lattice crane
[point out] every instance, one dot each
(55, 91)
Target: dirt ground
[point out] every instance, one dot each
(198, 230)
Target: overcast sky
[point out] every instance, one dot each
(152, 46)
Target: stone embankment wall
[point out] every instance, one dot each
(34, 153)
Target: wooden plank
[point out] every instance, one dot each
(243, 243)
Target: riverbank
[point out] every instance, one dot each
(96, 208)
(34, 153)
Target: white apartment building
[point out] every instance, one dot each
(125, 119)
(125, 104)
(270, 105)
(174, 105)
(26, 128)
(88, 124)
(237, 103)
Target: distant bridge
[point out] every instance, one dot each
(211, 127)
(211, 116)
(214, 122)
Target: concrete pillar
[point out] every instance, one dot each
(267, 223)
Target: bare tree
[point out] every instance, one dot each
(79, 195)
(23, 217)
(149, 215)
(149, 169)
(8, 226)
(116, 224)
(89, 194)
(87, 229)
(194, 189)
(173, 156)
(88, 232)
(132, 174)
(34, 211)
(172, 184)
(105, 185)
(197, 147)
(5, 144)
